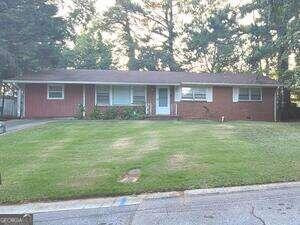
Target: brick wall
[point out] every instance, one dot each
(89, 97)
(37, 105)
(151, 99)
(223, 105)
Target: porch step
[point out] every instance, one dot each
(163, 117)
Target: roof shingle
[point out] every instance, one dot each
(142, 77)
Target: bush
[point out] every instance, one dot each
(113, 112)
(80, 112)
(134, 113)
(96, 114)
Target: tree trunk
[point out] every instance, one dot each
(171, 36)
(132, 65)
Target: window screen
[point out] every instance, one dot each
(244, 94)
(121, 95)
(138, 95)
(102, 95)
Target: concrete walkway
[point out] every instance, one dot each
(22, 124)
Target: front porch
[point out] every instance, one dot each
(161, 102)
(158, 100)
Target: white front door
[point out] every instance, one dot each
(162, 100)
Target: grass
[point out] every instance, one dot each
(73, 159)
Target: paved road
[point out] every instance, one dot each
(271, 207)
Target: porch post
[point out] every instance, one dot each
(83, 100)
(19, 97)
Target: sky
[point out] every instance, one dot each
(102, 5)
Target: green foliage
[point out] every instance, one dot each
(291, 78)
(149, 59)
(89, 52)
(215, 41)
(160, 14)
(115, 112)
(134, 113)
(273, 36)
(117, 20)
(80, 112)
(96, 114)
(31, 36)
(83, 12)
(111, 113)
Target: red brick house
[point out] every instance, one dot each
(57, 93)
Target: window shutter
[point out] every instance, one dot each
(209, 94)
(177, 95)
(235, 94)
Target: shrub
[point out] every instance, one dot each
(80, 112)
(96, 114)
(133, 113)
(111, 113)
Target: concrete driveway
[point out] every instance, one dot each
(22, 124)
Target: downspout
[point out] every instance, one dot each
(275, 104)
(2, 103)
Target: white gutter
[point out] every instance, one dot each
(127, 83)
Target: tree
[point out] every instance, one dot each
(117, 19)
(82, 14)
(31, 37)
(274, 35)
(161, 15)
(89, 52)
(214, 42)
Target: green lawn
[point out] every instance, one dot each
(73, 159)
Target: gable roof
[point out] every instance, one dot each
(143, 78)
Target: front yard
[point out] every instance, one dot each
(75, 159)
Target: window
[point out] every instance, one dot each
(250, 94)
(255, 94)
(102, 95)
(138, 95)
(193, 93)
(244, 94)
(121, 95)
(200, 93)
(187, 93)
(55, 91)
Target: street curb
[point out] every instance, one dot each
(237, 189)
(121, 201)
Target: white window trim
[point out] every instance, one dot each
(249, 93)
(63, 92)
(111, 96)
(194, 99)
